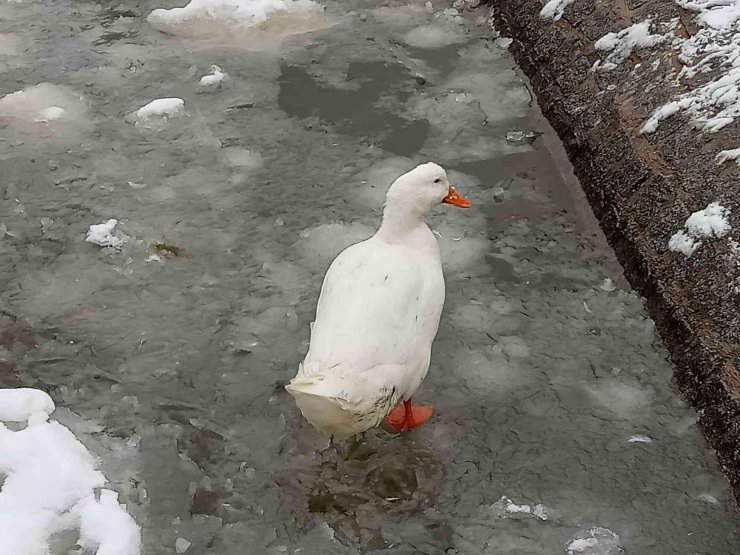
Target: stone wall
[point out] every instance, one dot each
(642, 187)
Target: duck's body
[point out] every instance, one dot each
(376, 319)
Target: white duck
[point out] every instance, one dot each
(377, 315)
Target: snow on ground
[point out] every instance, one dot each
(711, 60)
(50, 484)
(727, 155)
(710, 222)
(620, 45)
(202, 19)
(554, 9)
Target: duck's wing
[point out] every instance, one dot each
(378, 306)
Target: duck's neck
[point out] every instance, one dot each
(399, 222)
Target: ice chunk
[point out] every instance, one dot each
(598, 541)
(710, 222)
(639, 439)
(622, 43)
(708, 498)
(554, 9)
(522, 137)
(607, 285)
(434, 36)
(161, 107)
(102, 234)
(221, 18)
(216, 76)
(506, 506)
(18, 405)
(504, 42)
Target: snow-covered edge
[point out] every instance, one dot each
(50, 480)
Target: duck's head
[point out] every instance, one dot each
(423, 188)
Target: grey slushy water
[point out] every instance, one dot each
(556, 423)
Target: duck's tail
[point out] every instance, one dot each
(328, 398)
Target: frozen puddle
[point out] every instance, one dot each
(45, 110)
(164, 233)
(51, 483)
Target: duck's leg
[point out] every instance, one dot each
(407, 416)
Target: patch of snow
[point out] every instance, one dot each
(216, 18)
(19, 405)
(216, 76)
(682, 242)
(710, 222)
(710, 56)
(106, 526)
(50, 483)
(554, 9)
(727, 155)
(598, 541)
(716, 14)
(621, 44)
(102, 234)
(665, 111)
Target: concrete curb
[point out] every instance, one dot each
(642, 188)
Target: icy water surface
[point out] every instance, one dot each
(555, 425)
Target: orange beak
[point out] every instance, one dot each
(456, 199)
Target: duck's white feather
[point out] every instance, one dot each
(376, 318)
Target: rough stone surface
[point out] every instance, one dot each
(643, 187)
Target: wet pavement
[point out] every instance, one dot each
(556, 423)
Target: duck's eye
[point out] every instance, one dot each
(438, 180)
